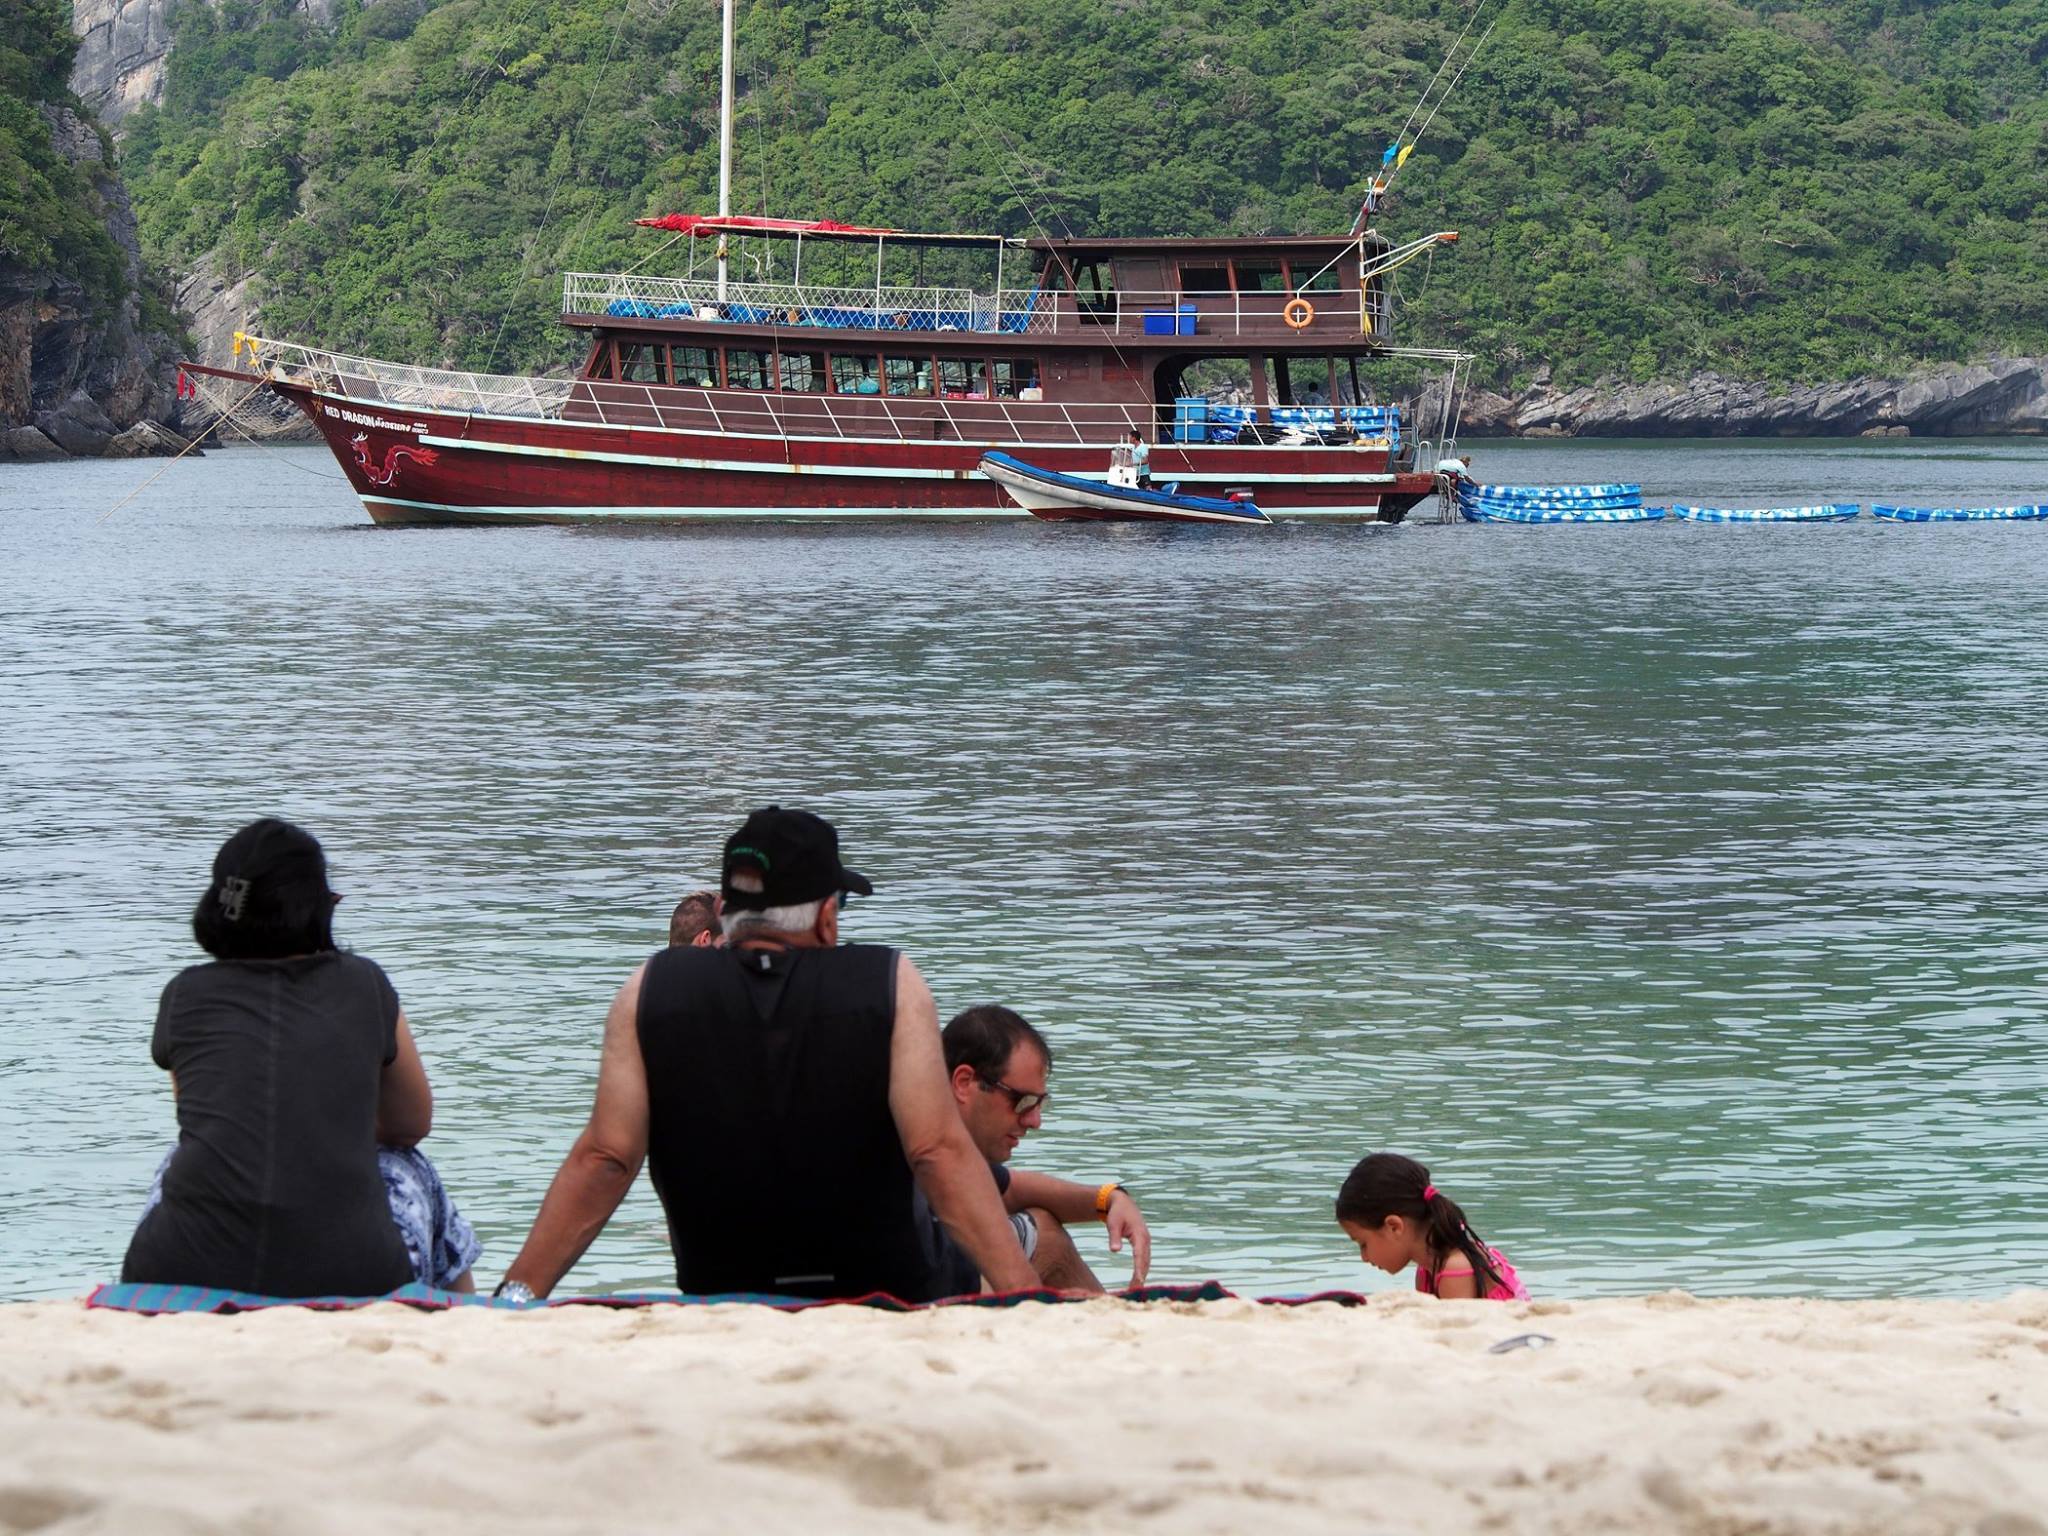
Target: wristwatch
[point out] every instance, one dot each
(513, 1290)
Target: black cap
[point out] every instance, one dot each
(796, 855)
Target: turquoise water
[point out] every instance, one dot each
(1678, 893)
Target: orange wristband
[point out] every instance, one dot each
(1104, 1195)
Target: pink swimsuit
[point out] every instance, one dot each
(1509, 1287)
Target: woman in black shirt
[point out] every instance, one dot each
(292, 1065)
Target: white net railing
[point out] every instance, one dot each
(1016, 311)
(442, 389)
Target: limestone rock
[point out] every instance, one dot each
(148, 439)
(27, 443)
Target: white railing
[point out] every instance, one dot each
(1332, 314)
(900, 418)
(441, 389)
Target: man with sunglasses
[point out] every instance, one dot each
(998, 1065)
(788, 1094)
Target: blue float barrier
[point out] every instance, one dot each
(1838, 512)
(1500, 513)
(1555, 493)
(1959, 514)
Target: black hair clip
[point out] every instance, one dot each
(234, 896)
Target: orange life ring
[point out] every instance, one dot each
(1298, 314)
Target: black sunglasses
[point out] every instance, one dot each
(1020, 1101)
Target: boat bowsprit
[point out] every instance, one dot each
(1554, 504)
(1832, 512)
(1056, 497)
(1959, 514)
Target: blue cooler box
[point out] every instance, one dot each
(1191, 419)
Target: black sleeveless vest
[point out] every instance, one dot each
(770, 1140)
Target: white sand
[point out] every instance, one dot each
(1664, 1414)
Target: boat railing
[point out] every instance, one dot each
(911, 418)
(1311, 314)
(441, 389)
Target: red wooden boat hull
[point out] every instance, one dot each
(414, 465)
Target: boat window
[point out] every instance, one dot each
(1260, 277)
(963, 378)
(1199, 279)
(804, 371)
(1308, 279)
(908, 375)
(1014, 375)
(600, 362)
(1095, 292)
(855, 375)
(745, 368)
(640, 364)
(694, 366)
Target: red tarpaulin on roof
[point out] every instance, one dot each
(712, 224)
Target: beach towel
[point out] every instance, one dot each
(152, 1300)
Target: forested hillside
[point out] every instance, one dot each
(49, 218)
(1646, 188)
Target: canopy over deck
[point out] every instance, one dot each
(704, 224)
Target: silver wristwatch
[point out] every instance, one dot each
(513, 1290)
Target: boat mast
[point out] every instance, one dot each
(725, 143)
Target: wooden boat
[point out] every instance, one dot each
(820, 370)
(1060, 497)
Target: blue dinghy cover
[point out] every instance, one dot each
(1834, 512)
(1959, 514)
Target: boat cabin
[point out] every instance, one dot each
(819, 327)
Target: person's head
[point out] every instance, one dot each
(1397, 1217)
(1136, 436)
(268, 898)
(783, 882)
(999, 1065)
(694, 923)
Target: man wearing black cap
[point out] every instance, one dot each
(789, 1094)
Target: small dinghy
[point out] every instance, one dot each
(1834, 512)
(1554, 504)
(1959, 514)
(1056, 497)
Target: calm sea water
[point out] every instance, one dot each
(1679, 894)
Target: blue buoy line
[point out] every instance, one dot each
(1617, 503)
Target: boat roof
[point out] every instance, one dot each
(699, 225)
(1199, 245)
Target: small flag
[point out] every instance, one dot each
(1402, 158)
(1388, 157)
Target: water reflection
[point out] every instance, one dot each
(1675, 893)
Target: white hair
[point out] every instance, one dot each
(800, 917)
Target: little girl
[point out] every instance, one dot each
(1397, 1217)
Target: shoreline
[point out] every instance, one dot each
(1664, 1412)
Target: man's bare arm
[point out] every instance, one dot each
(1074, 1203)
(954, 1177)
(601, 1167)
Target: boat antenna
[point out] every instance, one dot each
(1457, 59)
(724, 141)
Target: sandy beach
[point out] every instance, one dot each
(1664, 1413)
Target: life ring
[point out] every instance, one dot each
(1299, 314)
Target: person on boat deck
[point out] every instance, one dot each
(789, 1096)
(1457, 467)
(695, 921)
(1141, 460)
(998, 1065)
(301, 1102)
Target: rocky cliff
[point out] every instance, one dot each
(122, 46)
(76, 375)
(2004, 395)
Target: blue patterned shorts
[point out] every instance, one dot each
(440, 1243)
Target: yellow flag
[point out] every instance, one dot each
(1402, 158)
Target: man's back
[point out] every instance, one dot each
(770, 1138)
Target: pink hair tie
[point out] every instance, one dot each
(1428, 1193)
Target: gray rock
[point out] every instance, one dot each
(72, 435)
(149, 439)
(28, 444)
